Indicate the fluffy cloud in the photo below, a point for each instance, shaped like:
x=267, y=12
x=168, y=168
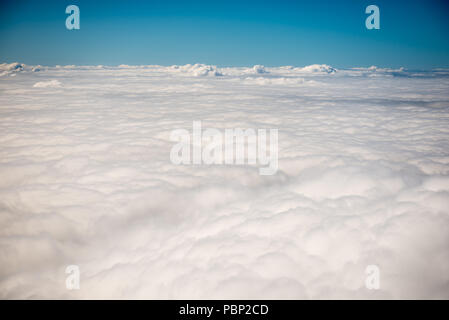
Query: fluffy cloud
x=363, y=180
x=10, y=68
x=15, y=66
x=259, y=69
x=47, y=84
x=198, y=69
x=317, y=68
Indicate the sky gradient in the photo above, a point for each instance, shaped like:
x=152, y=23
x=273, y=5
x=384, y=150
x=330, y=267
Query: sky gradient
x=413, y=34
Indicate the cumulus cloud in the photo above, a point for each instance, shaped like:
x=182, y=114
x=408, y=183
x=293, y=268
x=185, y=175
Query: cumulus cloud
x=363, y=179
x=259, y=69
x=198, y=69
x=15, y=66
x=48, y=84
x=10, y=68
x=317, y=68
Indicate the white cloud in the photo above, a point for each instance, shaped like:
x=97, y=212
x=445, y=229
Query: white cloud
x=281, y=81
x=259, y=69
x=198, y=69
x=87, y=180
x=10, y=68
x=15, y=66
x=47, y=84
x=317, y=68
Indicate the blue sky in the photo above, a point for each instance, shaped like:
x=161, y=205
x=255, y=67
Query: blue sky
x=413, y=34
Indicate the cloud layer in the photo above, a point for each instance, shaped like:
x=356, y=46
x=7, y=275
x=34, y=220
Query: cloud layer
x=363, y=180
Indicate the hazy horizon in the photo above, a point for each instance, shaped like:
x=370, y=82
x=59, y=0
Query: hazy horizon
x=413, y=34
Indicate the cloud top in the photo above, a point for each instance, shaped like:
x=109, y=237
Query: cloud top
x=86, y=180
x=48, y=84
